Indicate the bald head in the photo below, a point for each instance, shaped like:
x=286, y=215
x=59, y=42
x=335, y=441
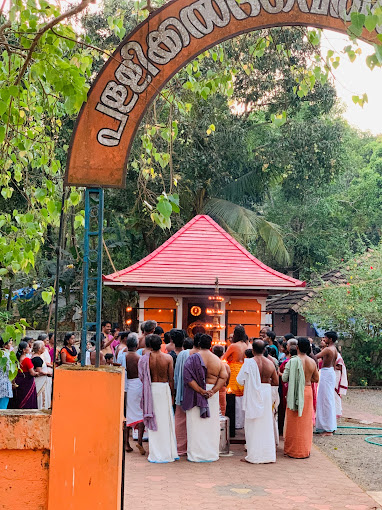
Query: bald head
x=258, y=346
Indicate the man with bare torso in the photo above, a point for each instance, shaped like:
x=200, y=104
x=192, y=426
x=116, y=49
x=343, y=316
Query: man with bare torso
x=300, y=372
x=204, y=374
x=326, y=421
x=257, y=375
x=133, y=392
x=162, y=442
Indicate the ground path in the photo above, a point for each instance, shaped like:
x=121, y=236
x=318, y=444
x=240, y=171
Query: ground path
x=309, y=484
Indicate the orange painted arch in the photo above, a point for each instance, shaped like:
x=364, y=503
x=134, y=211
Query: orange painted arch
x=156, y=50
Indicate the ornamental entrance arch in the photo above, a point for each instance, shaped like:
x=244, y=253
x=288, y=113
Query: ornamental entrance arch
x=156, y=50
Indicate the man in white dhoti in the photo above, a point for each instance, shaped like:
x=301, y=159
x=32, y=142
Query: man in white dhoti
x=257, y=375
x=156, y=371
x=326, y=421
x=341, y=383
x=203, y=374
x=133, y=392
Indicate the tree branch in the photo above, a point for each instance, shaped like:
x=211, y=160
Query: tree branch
x=48, y=26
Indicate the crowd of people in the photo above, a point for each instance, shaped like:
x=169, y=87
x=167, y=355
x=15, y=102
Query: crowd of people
x=176, y=387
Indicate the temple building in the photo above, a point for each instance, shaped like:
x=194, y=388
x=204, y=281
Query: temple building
x=202, y=279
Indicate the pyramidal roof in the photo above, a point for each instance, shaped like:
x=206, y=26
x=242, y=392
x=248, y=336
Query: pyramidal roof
x=195, y=256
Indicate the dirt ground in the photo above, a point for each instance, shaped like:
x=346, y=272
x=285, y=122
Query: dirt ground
x=361, y=461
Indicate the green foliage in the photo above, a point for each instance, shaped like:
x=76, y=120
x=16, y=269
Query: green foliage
x=353, y=309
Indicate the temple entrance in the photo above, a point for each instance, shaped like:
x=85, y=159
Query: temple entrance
x=195, y=315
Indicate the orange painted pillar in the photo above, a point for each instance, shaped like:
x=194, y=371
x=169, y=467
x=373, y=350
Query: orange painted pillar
x=86, y=438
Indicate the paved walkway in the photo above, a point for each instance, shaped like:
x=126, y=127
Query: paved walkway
x=349, y=412
x=308, y=484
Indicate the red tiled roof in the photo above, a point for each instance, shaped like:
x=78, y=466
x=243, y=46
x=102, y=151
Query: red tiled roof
x=195, y=256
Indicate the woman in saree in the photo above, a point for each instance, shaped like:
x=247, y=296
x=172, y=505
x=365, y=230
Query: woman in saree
x=44, y=381
x=68, y=354
x=24, y=393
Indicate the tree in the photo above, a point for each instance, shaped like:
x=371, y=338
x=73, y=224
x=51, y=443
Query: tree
x=353, y=309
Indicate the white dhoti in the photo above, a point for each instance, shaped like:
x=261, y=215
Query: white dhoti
x=326, y=405
x=259, y=432
x=203, y=434
x=239, y=413
x=275, y=412
x=162, y=442
x=133, y=391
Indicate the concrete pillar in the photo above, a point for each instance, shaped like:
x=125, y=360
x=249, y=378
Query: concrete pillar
x=179, y=312
x=86, y=438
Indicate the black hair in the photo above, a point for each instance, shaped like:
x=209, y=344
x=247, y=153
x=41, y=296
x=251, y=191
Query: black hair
x=332, y=335
x=42, y=337
x=167, y=337
x=248, y=353
x=124, y=334
x=67, y=338
x=218, y=350
x=188, y=343
x=288, y=336
x=149, y=326
x=103, y=323
x=271, y=335
x=258, y=346
x=177, y=336
x=50, y=335
x=197, y=339
x=158, y=331
x=304, y=345
x=205, y=342
x=155, y=342
x=147, y=340
x=22, y=345
x=239, y=334
x=271, y=349
x=108, y=356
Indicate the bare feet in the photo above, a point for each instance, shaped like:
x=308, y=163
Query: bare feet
x=142, y=451
x=243, y=460
x=128, y=448
x=327, y=433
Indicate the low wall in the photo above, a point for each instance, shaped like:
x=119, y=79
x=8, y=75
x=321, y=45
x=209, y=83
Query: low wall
x=24, y=459
x=70, y=459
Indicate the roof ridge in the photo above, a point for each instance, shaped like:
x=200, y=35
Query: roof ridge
x=248, y=254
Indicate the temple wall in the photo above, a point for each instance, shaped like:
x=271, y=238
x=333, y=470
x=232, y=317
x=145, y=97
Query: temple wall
x=24, y=459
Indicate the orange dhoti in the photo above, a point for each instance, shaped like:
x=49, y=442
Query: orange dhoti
x=234, y=386
x=299, y=430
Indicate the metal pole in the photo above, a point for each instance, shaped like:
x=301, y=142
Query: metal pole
x=99, y=275
x=92, y=269
x=85, y=276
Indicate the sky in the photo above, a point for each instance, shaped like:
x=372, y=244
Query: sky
x=355, y=78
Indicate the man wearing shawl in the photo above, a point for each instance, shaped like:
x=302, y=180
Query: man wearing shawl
x=341, y=383
x=203, y=375
x=156, y=372
x=299, y=373
x=257, y=375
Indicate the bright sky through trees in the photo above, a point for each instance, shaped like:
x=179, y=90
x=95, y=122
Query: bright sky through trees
x=355, y=78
